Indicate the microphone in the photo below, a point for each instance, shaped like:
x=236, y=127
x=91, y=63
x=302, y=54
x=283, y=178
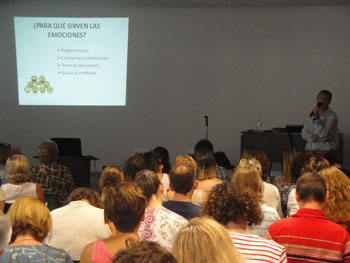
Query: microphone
x=206, y=120
x=318, y=105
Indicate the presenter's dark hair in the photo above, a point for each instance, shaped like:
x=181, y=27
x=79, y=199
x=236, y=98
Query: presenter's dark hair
x=182, y=177
x=311, y=187
x=327, y=93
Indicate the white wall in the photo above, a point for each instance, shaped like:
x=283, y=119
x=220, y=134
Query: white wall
x=233, y=64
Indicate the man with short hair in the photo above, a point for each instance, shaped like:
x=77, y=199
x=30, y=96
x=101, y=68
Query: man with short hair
x=308, y=235
x=183, y=182
x=5, y=232
x=320, y=129
x=221, y=172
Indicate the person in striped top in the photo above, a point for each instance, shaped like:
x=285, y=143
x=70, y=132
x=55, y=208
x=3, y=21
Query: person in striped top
x=236, y=208
x=308, y=235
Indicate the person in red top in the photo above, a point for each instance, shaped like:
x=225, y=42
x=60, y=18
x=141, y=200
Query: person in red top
x=308, y=235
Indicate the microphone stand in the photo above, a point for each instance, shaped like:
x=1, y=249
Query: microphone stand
x=207, y=127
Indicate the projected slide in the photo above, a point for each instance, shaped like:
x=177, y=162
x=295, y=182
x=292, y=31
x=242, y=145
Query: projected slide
x=71, y=61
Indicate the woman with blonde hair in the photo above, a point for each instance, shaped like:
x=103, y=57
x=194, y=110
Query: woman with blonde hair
x=31, y=222
x=337, y=208
x=247, y=176
x=18, y=175
x=198, y=196
x=206, y=172
x=285, y=179
x=206, y=241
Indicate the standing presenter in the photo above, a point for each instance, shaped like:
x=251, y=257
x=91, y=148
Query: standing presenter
x=320, y=129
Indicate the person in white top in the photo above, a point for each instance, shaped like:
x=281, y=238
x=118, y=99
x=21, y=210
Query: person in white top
x=78, y=223
x=236, y=208
x=160, y=224
x=18, y=174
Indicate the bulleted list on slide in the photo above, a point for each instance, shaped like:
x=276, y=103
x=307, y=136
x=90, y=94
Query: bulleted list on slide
x=79, y=62
x=71, y=61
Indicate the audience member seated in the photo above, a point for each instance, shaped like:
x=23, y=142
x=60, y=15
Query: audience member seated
x=4, y=154
x=206, y=173
x=221, y=172
x=160, y=224
x=143, y=252
x=2, y=200
x=111, y=176
x=206, y=241
x=305, y=161
x=17, y=172
x=132, y=166
x=222, y=160
x=160, y=163
x=337, y=209
x=55, y=179
x=309, y=236
x=236, y=208
x=183, y=182
x=334, y=159
x=198, y=196
x=124, y=205
x=5, y=232
x=78, y=223
x=271, y=194
x=246, y=176
x=284, y=181
x=31, y=222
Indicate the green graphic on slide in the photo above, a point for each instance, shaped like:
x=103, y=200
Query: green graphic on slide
x=36, y=85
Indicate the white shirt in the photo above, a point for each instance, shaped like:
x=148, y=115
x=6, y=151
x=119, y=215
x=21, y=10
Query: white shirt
x=76, y=225
x=272, y=197
x=13, y=191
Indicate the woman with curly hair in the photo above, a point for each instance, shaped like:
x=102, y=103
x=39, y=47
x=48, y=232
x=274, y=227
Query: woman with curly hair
x=337, y=209
x=247, y=176
x=206, y=241
x=31, y=222
x=236, y=208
